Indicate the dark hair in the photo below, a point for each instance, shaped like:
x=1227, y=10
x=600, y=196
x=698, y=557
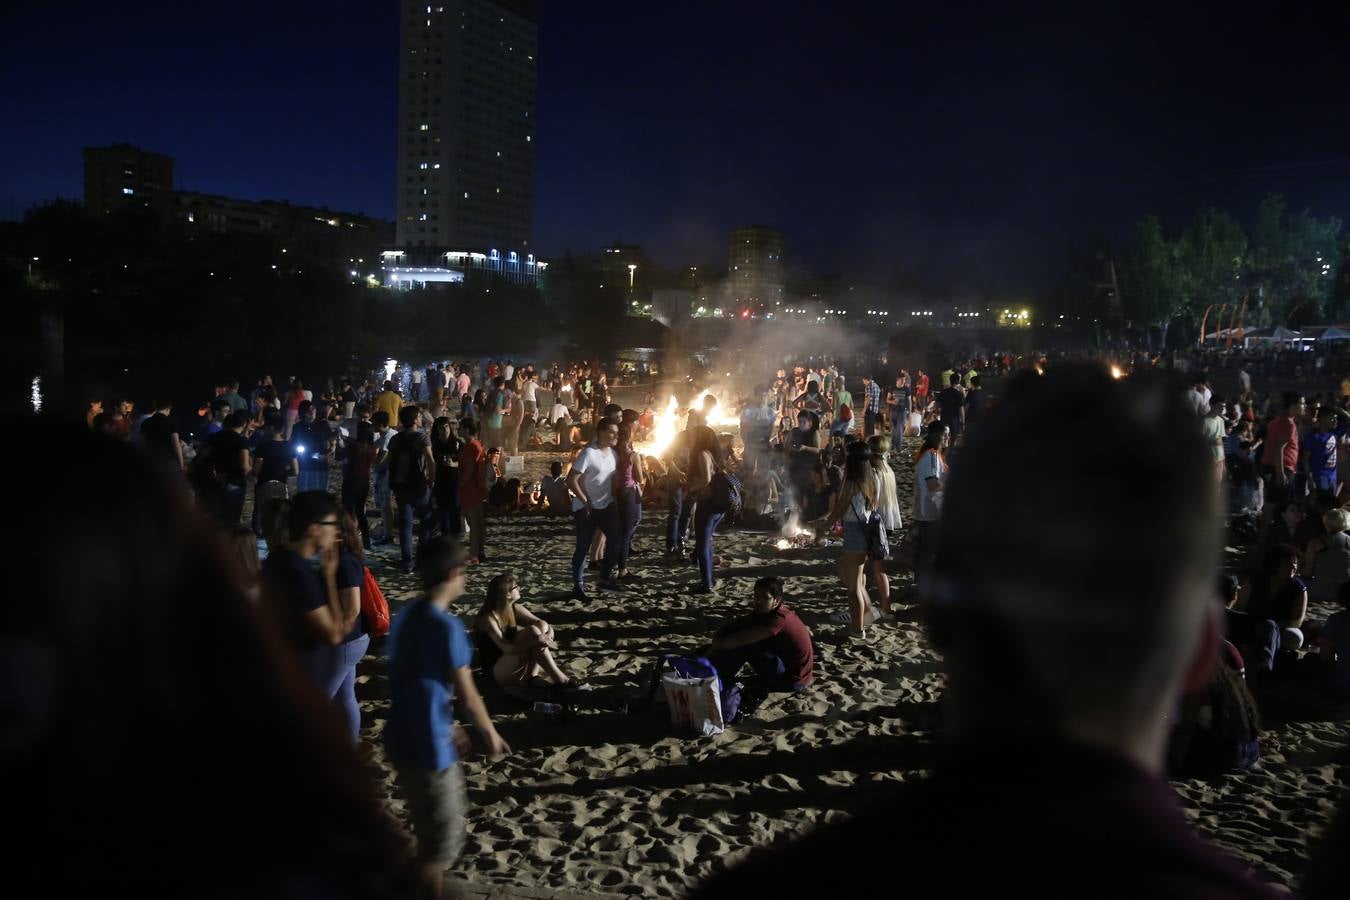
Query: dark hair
x=1277, y=555
x=237, y=419
x=974, y=381
x=351, y=535
x=555, y=468
x=701, y=438
x=305, y=406
x=365, y=434
x=407, y=416
x=379, y=418
x=1291, y=398
x=308, y=507
x=771, y=585
x=468, y=427
x=1228, y=587
x=139, y=612
x=438, y=558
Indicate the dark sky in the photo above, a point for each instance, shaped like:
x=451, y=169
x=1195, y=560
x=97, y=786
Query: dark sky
x=965, y=145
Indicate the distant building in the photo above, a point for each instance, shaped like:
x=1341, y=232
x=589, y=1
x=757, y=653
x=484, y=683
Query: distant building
x=755, y=269
x=466, y=129
x=122, y=176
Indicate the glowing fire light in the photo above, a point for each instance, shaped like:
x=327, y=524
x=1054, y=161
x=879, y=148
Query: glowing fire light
x=670, y=421
x=783, y=544
x=1117, y=372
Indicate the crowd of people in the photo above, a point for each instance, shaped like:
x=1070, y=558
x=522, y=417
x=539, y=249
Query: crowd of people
x=1136, y=688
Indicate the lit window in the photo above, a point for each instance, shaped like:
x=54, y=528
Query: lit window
x=422, y=166
x=436, y=166
x=424, y=127
x=527, y=138
x=424, y=192
x=466, y=195
x=422, y=217
x=128, y=191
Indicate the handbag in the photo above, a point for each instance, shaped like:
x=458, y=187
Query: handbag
x=877, y=545
x=374, y=608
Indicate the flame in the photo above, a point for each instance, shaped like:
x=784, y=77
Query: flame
x=1117, y=372
x=670, y=421
x=665, y=429
x=783, y=544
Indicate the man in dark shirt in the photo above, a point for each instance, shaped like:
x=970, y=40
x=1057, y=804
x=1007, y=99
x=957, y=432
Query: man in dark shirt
x=228, y=453
x=975, y=400
x=952, y=406
x=161, y=437
x=316, y=437
x=315, y=615
x=773, y=640
x=1061, y=679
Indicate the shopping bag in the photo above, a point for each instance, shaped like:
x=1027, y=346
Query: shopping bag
x=695, y=704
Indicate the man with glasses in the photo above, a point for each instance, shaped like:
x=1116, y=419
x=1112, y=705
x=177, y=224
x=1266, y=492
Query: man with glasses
x=593, y=506
x=314, y=616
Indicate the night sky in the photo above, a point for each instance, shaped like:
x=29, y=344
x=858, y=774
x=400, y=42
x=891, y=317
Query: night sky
x=964, y=146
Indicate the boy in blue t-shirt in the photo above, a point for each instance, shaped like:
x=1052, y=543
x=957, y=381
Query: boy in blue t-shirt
x=429, y=659
x=1320, y=447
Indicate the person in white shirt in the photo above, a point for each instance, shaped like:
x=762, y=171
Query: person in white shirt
x=930, y=475
x=530, y=392
x=1245, y=379
x=593, y=507
x=509, y=371
x=417, y=374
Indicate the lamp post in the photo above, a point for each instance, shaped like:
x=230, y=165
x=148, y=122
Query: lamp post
x=632, y=269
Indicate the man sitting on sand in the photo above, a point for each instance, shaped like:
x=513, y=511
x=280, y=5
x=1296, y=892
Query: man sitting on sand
x=1069, y=624
x=773, y=640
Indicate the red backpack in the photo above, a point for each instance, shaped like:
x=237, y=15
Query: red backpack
x=374, y=607
x=845, y=413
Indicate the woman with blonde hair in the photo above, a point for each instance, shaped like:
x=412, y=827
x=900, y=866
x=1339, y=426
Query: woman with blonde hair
x=1327, y=559
x=514, y=645
x=888, y=507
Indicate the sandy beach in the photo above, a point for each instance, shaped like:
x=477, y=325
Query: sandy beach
x=618, y=803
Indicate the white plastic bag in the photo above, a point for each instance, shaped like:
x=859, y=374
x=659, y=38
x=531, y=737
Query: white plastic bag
x=694, y=704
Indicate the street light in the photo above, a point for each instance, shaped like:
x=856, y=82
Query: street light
x=632, y=268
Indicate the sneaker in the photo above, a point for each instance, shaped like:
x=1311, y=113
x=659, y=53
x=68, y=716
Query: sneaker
x=613, y=584
x=579, y=593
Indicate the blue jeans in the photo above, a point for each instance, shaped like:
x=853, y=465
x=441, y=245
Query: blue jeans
x=408, y=504
x=341, y=685
x=766, y=665
x=232, y=503
x=588, y=521
x=705, y=524
x=312, y=480
x=630, y=514
x=1324, y=481
x=677, y=525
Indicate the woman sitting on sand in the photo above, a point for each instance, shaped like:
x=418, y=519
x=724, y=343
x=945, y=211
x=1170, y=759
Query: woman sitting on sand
x=1327, y=560
x=513, y=644
x=855, y=507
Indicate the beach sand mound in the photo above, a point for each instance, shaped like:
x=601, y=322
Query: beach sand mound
x=614, y=802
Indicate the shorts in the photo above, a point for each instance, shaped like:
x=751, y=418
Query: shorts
x=436, y=803
x=383, y=495
x=531, y=408
x=855, y=537
x=1324, y=481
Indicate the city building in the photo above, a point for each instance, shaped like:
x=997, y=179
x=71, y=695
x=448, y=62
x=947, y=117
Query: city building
x=122, y=176
x=466, y=123
x=755, y=269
